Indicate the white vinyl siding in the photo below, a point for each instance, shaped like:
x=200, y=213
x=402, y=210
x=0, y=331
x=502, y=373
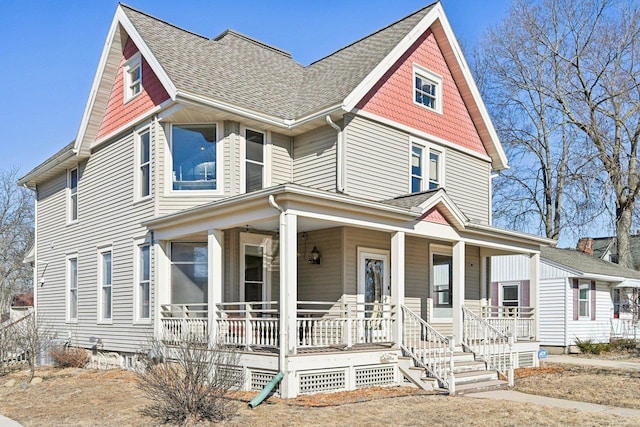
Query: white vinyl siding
x=552, y=311
x=597, y=330
x=314, y=159
x=107, y=216
x=377, y=160
x=281, y=159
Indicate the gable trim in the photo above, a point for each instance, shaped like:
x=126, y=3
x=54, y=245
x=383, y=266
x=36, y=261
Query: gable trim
x=119, y=20
x=452, y=214
x=433, y=17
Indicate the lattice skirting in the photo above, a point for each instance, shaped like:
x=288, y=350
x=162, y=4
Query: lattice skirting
x=375, y=376
x=259, y=379
x=322, y=381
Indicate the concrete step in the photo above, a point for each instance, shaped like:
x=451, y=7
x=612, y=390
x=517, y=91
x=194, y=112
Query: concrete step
x=475, y=376
x=468, y=365
x=481, y=386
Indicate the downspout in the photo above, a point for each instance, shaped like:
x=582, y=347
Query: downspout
x=340, y=156
x=284, y=336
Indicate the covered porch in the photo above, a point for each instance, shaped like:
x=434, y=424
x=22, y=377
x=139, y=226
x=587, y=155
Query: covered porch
x=312, y=283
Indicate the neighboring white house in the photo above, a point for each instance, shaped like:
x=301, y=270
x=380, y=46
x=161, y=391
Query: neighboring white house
x=581, y=297
x=325, y=219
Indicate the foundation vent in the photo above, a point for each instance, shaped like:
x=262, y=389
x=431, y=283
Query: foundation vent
x=378, y=375
x=322, y=381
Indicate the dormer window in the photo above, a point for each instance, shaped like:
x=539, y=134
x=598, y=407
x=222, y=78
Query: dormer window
x=132, y=77
x=427, y=89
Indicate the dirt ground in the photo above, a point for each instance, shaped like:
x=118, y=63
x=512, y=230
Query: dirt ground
x=77, y=397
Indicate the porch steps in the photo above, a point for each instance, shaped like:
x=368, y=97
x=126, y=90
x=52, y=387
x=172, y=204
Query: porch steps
x=470, y=375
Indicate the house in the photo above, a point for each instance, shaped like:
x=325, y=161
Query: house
x=330, y=221
x=606, y=248
x=580, y=298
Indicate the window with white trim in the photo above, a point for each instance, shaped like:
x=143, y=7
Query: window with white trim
x=72, y=192
x=427, y=89
x=426, y=174
x=254, y=160
x=105, y=286
x=584, y=301
x=132, y=71
x=144, y=163
x=195, y=157
x=72, y=288
x=143, y=282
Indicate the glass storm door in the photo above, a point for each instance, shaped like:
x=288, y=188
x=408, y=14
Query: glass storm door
x=373, y=290
x=442, y=286
x=254, y=278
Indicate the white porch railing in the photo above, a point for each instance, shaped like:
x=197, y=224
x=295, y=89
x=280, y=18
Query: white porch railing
x=256, y=324
x=488, y=343
x=248, y=324
x=518, y=322
x=184, y=322
x=428, y=348
x=326, y=324
x=625, y=329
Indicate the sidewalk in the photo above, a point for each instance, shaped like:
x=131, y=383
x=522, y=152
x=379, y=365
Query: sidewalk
x=585, y=361
x=516, y=396
x=7, y=422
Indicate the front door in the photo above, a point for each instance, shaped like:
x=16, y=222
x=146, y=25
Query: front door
x=373, y=291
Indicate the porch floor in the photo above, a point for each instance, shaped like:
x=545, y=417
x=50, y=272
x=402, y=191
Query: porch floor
x=317, y=350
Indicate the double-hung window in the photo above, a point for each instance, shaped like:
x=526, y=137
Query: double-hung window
x=143, y=282
x=426, y=172
x=105, y=291
x=254, y=160
x=584, y=301
x=72, y=191
x=195, y=157
x=72, y=288
x=144, y=164
x=132, y=77
x=427, y=89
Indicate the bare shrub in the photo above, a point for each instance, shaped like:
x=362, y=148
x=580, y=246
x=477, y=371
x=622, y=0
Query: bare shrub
x=30, y=337
x=69, y=357
x=189, y=382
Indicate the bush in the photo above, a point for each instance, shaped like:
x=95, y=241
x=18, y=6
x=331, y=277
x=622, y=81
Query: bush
x=590, y=347
x=624, y=344
x=190, y=382
x=69, y=357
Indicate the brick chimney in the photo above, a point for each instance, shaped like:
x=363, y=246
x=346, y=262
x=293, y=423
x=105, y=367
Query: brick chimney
x=585, y=244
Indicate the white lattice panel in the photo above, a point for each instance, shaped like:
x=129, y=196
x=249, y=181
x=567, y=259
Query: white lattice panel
x=378, y=375
x=322, y=381
x=259, y=379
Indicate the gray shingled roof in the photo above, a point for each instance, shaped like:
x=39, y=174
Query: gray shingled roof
x=586, y=264
x=247, y=73
x=410, y=200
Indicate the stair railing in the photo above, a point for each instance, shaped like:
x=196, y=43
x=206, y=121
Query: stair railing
x=428, y=348
x=488, y=344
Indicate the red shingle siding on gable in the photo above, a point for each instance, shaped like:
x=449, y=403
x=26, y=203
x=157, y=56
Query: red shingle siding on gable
x=118, y=113
x=392, y=97
x=434, y=215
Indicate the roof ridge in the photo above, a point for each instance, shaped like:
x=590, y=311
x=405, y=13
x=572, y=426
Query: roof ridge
x=374, y=33
x=251, y=40
x=126, y=6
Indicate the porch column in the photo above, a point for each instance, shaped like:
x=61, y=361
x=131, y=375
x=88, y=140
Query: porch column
x=397, y=281
x=534, y=294
x=215, y=241
x=288, y=299
x=483, y=278
x=458, y=289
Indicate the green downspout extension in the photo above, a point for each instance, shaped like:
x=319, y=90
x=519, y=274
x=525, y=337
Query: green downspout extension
x=266, y=390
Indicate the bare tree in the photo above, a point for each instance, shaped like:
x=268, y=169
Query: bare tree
x=16, y=237
x=549, y=186
x=584, y=60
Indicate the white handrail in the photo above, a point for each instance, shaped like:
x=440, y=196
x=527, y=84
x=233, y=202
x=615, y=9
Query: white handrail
x=488, y=344
x=428, y=348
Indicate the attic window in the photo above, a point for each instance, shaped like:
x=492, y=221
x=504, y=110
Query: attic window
x=427, y=89
x=132, y=77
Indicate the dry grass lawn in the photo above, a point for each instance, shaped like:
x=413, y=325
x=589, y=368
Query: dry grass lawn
x=76, y=397
x=605, y=386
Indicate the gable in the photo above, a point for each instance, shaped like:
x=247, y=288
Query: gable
x=392, y=97
x=434, y=215
x=118, y=113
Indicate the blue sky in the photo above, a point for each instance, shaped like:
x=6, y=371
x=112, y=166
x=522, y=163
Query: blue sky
x=49, y=50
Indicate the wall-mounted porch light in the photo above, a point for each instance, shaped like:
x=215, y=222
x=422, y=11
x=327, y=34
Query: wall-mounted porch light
x=315, y=256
